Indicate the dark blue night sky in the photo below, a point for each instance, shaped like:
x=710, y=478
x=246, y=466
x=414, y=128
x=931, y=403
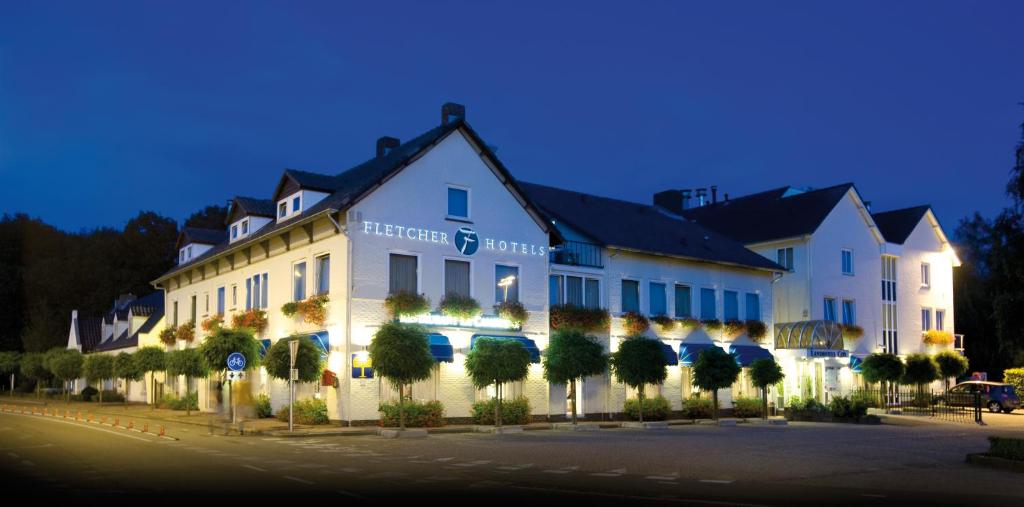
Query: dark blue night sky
x=109, y=108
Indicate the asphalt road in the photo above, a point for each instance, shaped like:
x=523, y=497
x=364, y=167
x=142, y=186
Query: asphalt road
x=802, y=464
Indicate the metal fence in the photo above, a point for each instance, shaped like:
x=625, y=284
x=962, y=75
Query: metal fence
x=941, y=405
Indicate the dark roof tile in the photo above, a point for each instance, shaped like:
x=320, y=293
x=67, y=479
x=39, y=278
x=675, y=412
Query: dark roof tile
x=896, y=225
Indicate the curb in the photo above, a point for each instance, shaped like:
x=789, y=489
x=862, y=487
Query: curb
x=87, y=419
x=983, y=459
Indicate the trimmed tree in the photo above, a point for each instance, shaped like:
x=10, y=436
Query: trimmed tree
x=638, y=362
x=216, y=348
x=97, y=368
x=496, y=362
x=66, y=366
x=921, y=370
x=571, y=356
x=764, y=373
x=951, y=364
x=715, y=369
x=151, y=360
x=127, y=369
x=189, y=363
x=32, y=367
x=401, y=354
x=882, y=369
x=9, y=365
x=307, y=360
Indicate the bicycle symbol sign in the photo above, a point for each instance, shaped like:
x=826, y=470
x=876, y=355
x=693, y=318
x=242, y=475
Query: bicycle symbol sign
x=236, y=361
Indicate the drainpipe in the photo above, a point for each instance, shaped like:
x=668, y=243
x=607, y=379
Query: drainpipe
x=348, y=314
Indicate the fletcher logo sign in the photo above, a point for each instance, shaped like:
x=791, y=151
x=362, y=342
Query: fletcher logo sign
x=465, y=239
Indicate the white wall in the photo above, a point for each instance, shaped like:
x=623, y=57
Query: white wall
x=923, y=245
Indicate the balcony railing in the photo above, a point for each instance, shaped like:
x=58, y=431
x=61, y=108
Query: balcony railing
x=577, y=253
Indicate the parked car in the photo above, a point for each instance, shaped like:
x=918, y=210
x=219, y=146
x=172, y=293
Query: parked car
x=997, y=396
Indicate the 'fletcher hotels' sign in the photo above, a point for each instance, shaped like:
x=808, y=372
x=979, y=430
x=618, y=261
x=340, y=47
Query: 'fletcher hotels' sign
x=465, y=240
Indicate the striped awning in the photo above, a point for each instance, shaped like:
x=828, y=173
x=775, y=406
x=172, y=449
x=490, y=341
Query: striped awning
x=441, y=348
x=671, y=358
x=689, y=352
x=747, y=354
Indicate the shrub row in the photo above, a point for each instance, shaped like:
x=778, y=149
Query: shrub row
x=418, y=414
x=307, y=411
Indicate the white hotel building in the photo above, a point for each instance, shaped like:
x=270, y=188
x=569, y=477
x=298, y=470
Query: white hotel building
x=440, y=213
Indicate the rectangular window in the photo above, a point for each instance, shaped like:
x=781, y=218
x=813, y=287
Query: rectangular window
x=659, y=306
x=926, y=319
x=506, y=283
x=458, y=202
x=456, y=278
x=192, y=317
x=630, y=296
x=574, y=291
x=784, y=257
x=299, y=282
x=753, y=302
x=847, y=261
x=175, y=320
x=296, y=204
x=282, y=209
x=830, y=310
x=849, y=312
x=708, y=304
x=220, y=301
x=731, y=305
x=323, y=274
x=256, y=292
x=402, y=274
x=234, y=297
x=940, y=320
x=555, y=296
x=206, y=303
x=684, y=302
x=592, y=295
x=926, y=274
x=181, y=256
x=234, y=231
x=245, y=226
x=248, y=294
x=265, y=299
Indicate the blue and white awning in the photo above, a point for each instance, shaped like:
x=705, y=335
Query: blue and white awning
x=856, y=363
x=747, y=354
x=671, y=359
x=527, y=343
x=689, y=352
x=441, y=348
x=323, y=341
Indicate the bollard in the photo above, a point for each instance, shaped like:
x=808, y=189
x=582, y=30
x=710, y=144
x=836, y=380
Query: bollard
x=162, y=431
x=117, y=421
x=88, y=418
x=78, y=415
x=103, y=420
x=145, y=427
x=131, y=425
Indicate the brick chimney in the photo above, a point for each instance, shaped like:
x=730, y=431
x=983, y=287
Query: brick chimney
x=385, y=144
x=451, y=111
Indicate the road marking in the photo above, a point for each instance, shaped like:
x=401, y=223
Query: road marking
x=605, y=474
x=349, y=470
x=87, y=427
x=349, y=493
x=28, y=463
x=660, y=478
x=869, y=495
x=557, y=471
x=444, y=459
x=26, y=447
x=13, y=455
x=716, y=481
x=296, y=479
x=250, y=467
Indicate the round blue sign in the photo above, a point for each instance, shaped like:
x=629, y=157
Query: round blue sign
x=466, y=241
x=236, y=361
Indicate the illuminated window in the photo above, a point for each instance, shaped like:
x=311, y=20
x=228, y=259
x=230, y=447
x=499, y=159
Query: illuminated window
x=299, y=281
x=506, y=283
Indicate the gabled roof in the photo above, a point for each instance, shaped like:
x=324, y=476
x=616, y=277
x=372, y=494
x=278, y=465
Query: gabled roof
x=896, y=225
x=250, y=206
x=151, y=322
x=779, y=213
x=90, y=332
x=121, y=342
x=642, y=228
x=148, y=304
x=351, y=186
x=190, y=235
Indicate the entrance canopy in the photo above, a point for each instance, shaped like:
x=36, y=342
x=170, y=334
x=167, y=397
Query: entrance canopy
x=809, y=334
x=441, y=348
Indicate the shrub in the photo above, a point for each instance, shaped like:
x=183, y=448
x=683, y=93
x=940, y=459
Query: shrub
x=514, y=411
x=808, y=405
x=211, y=324
x=250, y=319
x=852, y=331
x=1015, y=376
x=88, y=393
x=689, y=324
x=697, y=408
x=937, y=337
x=512, y=311
x=951, y=364
x=655, y=409
x=921, y=369
x=186, y=332
x=712, y=324
x=841, y=406
x=418, y=414
x=588, y=320
x=635, y=323
x=867, y=398
x=664, y=322
x=746, y=407
x=1007, y=448
x=401, y=354
x=112, y=396
x=756, y=330
x=734, y=327
x=168, y=335
x=458, y=306
x=307, y=411
x=263, y=408
x=189, y=402
x=307, y=359
x=406, y=304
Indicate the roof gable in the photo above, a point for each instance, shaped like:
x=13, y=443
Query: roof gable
x=242, y=207
x=896, y=225
x=195, y=235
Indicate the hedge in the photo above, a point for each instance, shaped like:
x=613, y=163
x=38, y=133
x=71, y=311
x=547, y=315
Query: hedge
x=1007, y=448
x=697, y=408
x=1015, y=376
x=514, y=411
x=307, y=411
x=746, y=407
x=656, y=408
x=418, y=414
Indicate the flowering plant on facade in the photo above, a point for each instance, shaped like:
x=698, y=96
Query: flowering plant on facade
x=756, y=330
x=211, y=324
x=852, y=331
x=689, y=324
x=253, y=319
x=406, y=304
x=168, y=335
x=734, y=328
x=512, y=311
x=664, y=322
x=312, y=310
x=634, y=323
x=458, y=306
x=938, y=337
x=186, y=332
x=711, y=324
x=588, y=320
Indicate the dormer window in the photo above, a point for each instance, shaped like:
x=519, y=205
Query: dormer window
x=181, y=256
x=245, y=226
x=234, y=232
x=282, y=209
x=295, y=204
x=292, y=205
